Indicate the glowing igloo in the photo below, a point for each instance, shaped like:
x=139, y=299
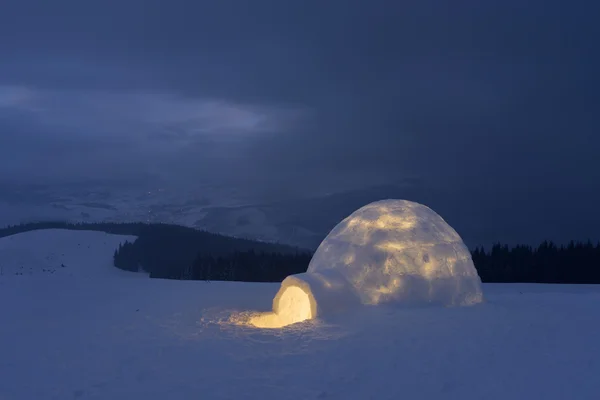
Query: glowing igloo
x=390, y=251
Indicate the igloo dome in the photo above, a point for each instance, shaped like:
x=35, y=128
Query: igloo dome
x=398, y=250
x=389, y=251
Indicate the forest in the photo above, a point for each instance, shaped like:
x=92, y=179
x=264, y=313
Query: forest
x=576, y=262
x=177, y=252
x=546, y=263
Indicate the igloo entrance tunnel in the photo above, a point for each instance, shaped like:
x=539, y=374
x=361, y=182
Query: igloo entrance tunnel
x=389, y=251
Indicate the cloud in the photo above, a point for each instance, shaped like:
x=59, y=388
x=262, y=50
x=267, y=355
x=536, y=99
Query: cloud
x=16, y=97
x=53, y=134
x=316, y=91
x=127, y=113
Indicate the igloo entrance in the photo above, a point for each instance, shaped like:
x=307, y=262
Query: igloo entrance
x=293, y=305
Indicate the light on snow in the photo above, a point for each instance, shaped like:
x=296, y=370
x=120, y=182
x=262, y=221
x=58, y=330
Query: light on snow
x=293, y=305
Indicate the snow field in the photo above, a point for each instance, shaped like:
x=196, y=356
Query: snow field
x=96, y=334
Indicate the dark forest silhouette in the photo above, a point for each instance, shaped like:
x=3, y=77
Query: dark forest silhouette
x=547, y=263
x=177, y=252
x=246, y=265
x=576, y=262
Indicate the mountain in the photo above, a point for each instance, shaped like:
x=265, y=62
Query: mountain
x=482, y=214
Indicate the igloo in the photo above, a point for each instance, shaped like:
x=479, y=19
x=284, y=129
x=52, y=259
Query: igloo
x=390, y=251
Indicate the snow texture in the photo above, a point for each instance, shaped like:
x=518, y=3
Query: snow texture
x=61, y=252
x=402, y=252
x=94, y=334
x=328, y=292
x=306, y=296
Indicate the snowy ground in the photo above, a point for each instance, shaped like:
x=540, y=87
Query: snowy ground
x=58, y=252
x=100, y=333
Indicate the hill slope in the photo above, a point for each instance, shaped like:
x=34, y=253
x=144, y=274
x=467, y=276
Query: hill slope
x=60, y=252
x=168, y=251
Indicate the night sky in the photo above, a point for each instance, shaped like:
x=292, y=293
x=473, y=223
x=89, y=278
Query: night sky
x=460, y=95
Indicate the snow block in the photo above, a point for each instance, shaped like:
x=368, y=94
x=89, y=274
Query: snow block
x=327, y=292
x=398, y=251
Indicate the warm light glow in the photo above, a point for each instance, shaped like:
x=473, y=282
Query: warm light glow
x=349, y=258
x=383, y=221
x=396, y=250
x=293, y=307
x=390, y=251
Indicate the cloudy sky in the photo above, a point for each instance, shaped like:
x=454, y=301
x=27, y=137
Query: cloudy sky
x=302, y=92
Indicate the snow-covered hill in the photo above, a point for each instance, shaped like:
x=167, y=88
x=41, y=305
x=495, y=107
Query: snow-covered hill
x=110, y=337
x=60, y=252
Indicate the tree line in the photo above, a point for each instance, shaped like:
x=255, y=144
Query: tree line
x=547, y=263
x=248, y=266
x=576, y=262
x=178, y=252
x=245, y=265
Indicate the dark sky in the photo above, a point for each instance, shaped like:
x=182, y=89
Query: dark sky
x=302, y=93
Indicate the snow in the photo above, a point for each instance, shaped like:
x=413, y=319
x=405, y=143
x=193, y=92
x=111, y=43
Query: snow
x=60, y=252
x=99, y=335
x=403, y=252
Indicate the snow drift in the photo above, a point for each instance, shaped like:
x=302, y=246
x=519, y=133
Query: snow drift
x=390, y=251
